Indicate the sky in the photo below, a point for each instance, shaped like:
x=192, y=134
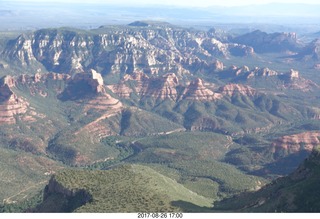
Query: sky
x=24, y=14
x=193, y=3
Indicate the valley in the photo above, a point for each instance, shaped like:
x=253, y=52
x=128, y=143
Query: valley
x=179, y=118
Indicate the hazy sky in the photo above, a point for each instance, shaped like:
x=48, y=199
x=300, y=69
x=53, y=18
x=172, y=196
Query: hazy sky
x=14, y=15
x=197, y=3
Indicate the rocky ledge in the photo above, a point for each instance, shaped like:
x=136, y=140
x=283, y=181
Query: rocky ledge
x=10, y=103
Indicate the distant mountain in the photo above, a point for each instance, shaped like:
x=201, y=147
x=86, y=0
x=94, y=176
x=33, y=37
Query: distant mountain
x=268, y=79
x=153, y=49
x=294, y=193
x=276, y=42
x=311, y=52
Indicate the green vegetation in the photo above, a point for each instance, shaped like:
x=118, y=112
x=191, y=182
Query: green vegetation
x=193, y=157
x=26, y=205
x=203, y=145
x=72, y=149
x=121, y=145
x=129, y=188
x=73, y=141
x=297, y=192
x=22, y=174
x=135, y=122
x=230, y=179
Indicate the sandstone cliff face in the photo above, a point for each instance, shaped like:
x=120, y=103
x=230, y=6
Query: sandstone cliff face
x=152, y=50
x=196, y=90
x=83, y=85
x=293, y=81
x=123, y=89
x=280, y=80
x=248, y=73
x=159, y=88
x=107, y=107
x=88, y=89
x=234, y=89
x=262, y=72
x=26, y=125
x=164, y=87
x=295, y=143
x=93, y=79
x=14, y=106
x=40, y=84
x=10, y=104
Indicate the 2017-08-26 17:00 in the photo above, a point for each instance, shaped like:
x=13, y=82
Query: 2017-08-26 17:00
x=160, y=215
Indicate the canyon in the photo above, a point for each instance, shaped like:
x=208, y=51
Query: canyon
x=201, y=107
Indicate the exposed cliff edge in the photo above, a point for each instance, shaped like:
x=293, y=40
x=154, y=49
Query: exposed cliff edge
x=126, y=49
x=167, y=86
x=58, y=198
x=197, y=91
x=10, y=104
x=83, y=85
x=265, y=77
x=291, y=144
x=237, y=89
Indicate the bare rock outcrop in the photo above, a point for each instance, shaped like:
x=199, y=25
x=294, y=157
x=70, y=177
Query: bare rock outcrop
x=271, y=78
x=124, y=90
x=293, y=81
x=218, y=65
x=83, y=85
x=196, y=90
x=290, y=144
x=123, y=50
x=167, y=86
x=262, y=72
x=10, y=104
x=234, y=89
x=163, y=88
x=159, y=87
